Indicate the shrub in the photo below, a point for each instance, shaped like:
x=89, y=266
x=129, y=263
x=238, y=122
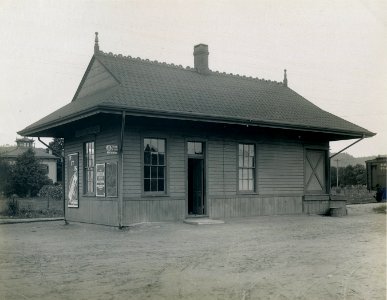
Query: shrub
x=13, y=207
x=382, y=209
x=53, y=192
x=26, y=176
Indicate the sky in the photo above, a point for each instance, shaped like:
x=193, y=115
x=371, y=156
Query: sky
x=335, y=52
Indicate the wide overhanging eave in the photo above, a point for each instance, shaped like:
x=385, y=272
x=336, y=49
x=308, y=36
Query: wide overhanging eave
x=38, y=130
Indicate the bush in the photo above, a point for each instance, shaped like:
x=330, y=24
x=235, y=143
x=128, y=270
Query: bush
x=380, y=209
x=13, y=207
x=53, y=192
x=27, y=176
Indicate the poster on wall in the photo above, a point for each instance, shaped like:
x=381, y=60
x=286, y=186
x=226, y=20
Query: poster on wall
x=100, y=180
x=72, y=180
x=111, y=179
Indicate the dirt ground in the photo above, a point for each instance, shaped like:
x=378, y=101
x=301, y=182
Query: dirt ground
x=276, y=257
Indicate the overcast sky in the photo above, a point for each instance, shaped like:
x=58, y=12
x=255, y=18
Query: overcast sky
x=335, y=51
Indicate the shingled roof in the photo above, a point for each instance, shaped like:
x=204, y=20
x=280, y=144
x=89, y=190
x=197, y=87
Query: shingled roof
x=151, y=88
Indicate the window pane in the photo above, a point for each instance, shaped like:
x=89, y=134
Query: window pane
x=153, y=145
x=245, y=174
x=245, y=161
x=161, y=159
x=90, y=181
x=147, y=172
x=154, y=185
x=250, y=162
x=154, y=158
x=160, y=172
x=191, y=147
x=161, y=146
x=240, y=161
x=147, y=158
x=146, y=185
x=251, y=185
x=245, y=150
x=245, y=185
x=160, y=185
x=146, y=144
x=247, y=167
x=198, y=148
x=154, y=165
x=251, y=150
x=250, y=173
x=153, y=172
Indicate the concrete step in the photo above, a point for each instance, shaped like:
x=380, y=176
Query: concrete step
x=202, y=221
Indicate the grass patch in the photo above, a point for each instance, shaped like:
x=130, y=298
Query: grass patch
x=380, y=209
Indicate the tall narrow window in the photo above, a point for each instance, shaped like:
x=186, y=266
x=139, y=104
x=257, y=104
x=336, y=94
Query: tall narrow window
x=89, y=165
x=247, y=167
x=154, y=165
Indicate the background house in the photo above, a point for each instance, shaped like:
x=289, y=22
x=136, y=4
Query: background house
x=150, y=141
x=44, y=156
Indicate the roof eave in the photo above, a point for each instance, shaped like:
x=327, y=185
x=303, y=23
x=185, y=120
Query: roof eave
x=188, y=116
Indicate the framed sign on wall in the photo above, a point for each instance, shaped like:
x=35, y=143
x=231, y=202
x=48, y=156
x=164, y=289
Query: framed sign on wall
x=100, y=180
x=111, y=179
x=72, y=180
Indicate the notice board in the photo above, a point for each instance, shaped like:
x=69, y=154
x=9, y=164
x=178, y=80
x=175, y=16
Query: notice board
x=72, y=180
x=111, y=179
x=100, y=180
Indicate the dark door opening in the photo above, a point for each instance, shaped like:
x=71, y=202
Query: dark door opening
x=195, y=187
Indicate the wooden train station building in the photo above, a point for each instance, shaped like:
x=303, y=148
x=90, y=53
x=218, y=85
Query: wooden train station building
x=148, y=141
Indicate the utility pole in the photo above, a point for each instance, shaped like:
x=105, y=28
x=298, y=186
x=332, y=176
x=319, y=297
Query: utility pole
x=337, y=173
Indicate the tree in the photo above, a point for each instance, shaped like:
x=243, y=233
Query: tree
x=360, y=174
x=349, y=175
x=26, y=176
x=4, y=174
x=57, y=145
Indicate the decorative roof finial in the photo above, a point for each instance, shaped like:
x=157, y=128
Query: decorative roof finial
x=285, y=82
x=96, y=46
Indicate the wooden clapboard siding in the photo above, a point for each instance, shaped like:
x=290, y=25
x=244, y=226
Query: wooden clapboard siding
x=280, y=168
x=176, y=167
x=230, y=168
x=153, y=210
x=96, y=210
x=132, y=163
x=139, y=207
x=97, y=80
x=245, y=206
x=279, y=176
x=215, y=163
x=317, y=204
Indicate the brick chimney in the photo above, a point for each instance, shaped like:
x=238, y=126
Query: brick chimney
x=201, y=58
x=96, y=45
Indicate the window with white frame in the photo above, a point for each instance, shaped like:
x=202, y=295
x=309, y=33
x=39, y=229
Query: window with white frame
x=246, y=155
x=154, y=165
x=89, y=167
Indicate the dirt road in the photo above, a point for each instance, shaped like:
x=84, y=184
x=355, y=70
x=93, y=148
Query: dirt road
x=277, y=257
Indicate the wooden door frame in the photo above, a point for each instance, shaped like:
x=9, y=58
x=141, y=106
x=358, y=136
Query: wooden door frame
x=325, y=154
x=196, y=156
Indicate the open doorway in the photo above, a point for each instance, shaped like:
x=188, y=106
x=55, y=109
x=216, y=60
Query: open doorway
x=195, y=187
x=196, y=198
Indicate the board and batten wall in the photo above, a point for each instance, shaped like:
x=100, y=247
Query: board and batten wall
x=279, y=177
